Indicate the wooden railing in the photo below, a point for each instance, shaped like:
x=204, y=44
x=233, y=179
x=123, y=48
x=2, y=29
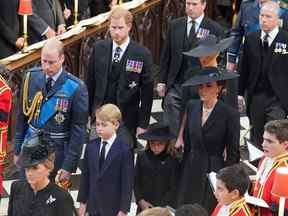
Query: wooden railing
x=149, y=29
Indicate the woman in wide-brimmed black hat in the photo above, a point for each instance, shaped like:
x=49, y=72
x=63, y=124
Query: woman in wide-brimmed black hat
x=208, y=51
x=210, y=136
x=37, y=195
x=156, y=169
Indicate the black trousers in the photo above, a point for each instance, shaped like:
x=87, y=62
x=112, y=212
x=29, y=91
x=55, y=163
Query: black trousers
x=262, y=109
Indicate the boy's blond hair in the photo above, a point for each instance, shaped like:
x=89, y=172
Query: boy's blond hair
x=156, y=211
x=109, y=112
x=118, y=12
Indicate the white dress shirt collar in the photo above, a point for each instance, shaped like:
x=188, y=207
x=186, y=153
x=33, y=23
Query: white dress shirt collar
x=272, y=35
x=123, y=47
x=55, y=76
x=197, y=21
x=109, y=144
x=264, y=169
x=224, y=210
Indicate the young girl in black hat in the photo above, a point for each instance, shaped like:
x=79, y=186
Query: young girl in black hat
x=156, y=170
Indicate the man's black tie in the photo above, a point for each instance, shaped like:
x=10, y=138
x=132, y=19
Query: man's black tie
x=265, y=42
x=102, y=154
x=49, y=84
x=192, y=30
x=116, y=56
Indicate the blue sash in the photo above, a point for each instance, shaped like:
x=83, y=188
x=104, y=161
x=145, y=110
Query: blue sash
x=48, y=107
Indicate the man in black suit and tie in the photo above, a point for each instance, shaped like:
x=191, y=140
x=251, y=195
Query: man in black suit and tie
x=10, y=39
x=46, y=21
x=175, y=68
x=120, y=72
x=263, y=74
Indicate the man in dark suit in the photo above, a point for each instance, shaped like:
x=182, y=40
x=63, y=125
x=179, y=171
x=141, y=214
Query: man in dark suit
x=46, y=21
x=263, y=77
x=107, y=175
x=10, y=39
x=183, y=35
x=120, y=72
x=55, y=102
x=248, y=21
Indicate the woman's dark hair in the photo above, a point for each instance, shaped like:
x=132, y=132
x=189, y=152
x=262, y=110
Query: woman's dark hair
x=223, y=84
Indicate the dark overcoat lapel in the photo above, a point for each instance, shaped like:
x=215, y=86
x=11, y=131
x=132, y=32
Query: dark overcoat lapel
x=214, y=116
x=273, y=54
x=123, y=75
x=96, y=152
x=180, y=33
x=195, y=124
x=113, y=152
x=105, y=62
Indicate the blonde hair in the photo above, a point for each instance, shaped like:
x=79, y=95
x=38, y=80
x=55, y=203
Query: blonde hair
x=156, y=211
x=55, y=45
x=118, y=12
x=49, y=162
x=109, y=112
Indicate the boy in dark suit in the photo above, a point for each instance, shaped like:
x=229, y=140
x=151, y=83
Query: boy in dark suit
x=107, y=175
x=120, y=72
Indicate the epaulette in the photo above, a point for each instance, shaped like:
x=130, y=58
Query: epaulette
x=76, y=79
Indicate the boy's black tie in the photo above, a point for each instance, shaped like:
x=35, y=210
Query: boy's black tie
x=102, y=154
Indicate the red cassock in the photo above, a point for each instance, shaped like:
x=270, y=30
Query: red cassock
x=264, y=191
x=5, y=108
x=238, y=208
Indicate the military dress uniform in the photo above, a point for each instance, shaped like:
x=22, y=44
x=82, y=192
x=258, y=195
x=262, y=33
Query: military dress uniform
x=62, y=114
x=237, y=208
x=5, y=108
x=264, y=182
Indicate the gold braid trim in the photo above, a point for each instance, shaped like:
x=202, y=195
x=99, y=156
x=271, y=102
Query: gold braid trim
x=2, y=148
x=3, y=89
x=34, y=109
x=237, y=206
x=278, y=161
x=3, y=80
